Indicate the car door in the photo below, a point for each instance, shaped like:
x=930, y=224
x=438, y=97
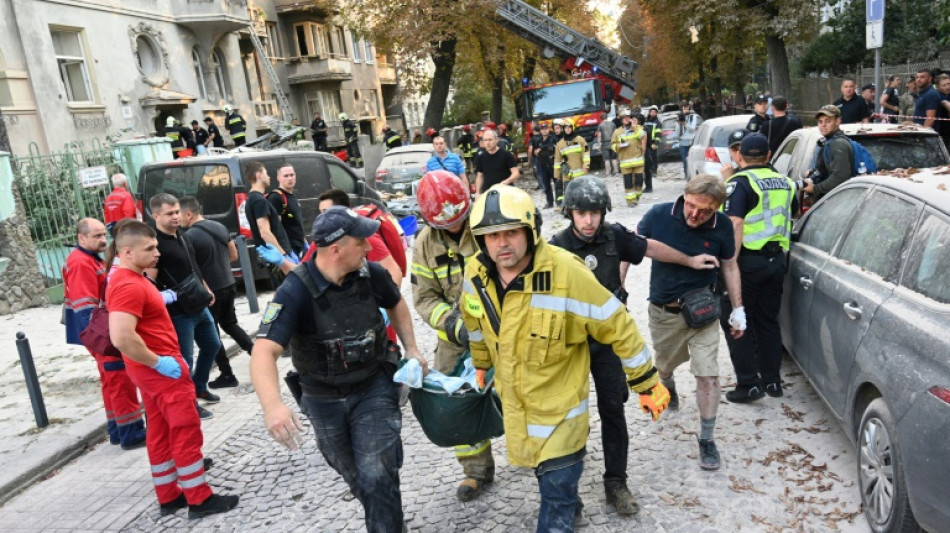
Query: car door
x=813, y=239
x=859, y=276
x=697, y=152
x=782, y=159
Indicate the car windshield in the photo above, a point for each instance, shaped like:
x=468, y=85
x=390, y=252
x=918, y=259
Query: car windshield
x=904, y=151
x=562, y=100
x=211, y=184
x=720, y=136
x=407, y=159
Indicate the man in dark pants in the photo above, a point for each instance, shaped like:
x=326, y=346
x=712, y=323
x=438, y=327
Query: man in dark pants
x=283, y=200
x=351, y=134
x=328, y=311
x=605, y=248
x=318, y=128
x=760, y=203
x=214, y=253
x=214, y=134
x=236, y=126
x=544, y=147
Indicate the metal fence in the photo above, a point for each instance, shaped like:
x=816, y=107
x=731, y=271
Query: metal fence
x=55, y=198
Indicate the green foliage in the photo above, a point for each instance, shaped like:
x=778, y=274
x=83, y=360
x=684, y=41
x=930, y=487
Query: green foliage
x=470, y=98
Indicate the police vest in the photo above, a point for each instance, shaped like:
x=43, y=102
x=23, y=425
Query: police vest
x=600, y=256
x=348, y=341
x=771, y=219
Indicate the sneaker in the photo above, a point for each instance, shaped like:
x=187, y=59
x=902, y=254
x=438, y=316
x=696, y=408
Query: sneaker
x=674, y=401
x=135, y=445
x=708, y=455
x=774, y=390
x=223, y=381
x=647, y=191
x=169, y=508
x=208, y=396
x=217, y=503
x=623, y=501
x=203, y=413
x=745, y=394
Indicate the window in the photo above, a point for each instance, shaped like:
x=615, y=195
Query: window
x=784, y=158
x=926, y=268
x=828, y=221
x=340, y=178
x=357, y=48
x=71, y=59
x=877, y=236
x=273, y=41
x=368, y=51
x=374, y=103
x=199, y=73
x=325, y=102
x=338, y=42
x=312, y=40
x=219, y=67
x=210, y=184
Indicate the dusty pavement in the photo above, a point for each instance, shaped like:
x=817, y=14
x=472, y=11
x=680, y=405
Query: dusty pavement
x=787, y=466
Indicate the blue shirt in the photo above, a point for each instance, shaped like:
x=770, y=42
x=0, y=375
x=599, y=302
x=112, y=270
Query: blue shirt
x=927, y=100
x=665, y=223
x=452, y=163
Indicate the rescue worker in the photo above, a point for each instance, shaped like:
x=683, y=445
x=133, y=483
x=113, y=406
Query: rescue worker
x=318, y=131
x=557, y=127
x=607, y=250
x=759, y=119
x=119, y=204
x=504, y=142
x=760, y=203
x=630, y=143
x=351, y=135
x=571, y=159
x=467, y=147
x=327, y=311
x=654, y=131
x=438, y=262
x=391, y=139
x=179, y=135
x=235, y=125
x=214, y=134
x=530, y=308
x=84, y=290
x=140, y=327
x=544, y=156
x=431, y=134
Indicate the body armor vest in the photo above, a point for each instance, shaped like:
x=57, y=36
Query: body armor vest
x=600, y=255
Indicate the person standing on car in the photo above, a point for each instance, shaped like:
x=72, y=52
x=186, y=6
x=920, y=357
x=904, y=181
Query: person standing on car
x=693, y=225
x=544, y=157
x=605, y=134
x=530, y=308
x=214, y=253
x=283, y=200
x=235, y=125
x=781, y=125
x=853, y=108
x=571, y=159
x=654, y=131
x=201, y=137
x=214, y=134
x=760, y=203
x=391, y=139
x=443, y=159
x=318, y=130
x=760, y=118
x=606, y=249
x=351, y=135
x=262, y=217
x=494, y=165
x=835, y=155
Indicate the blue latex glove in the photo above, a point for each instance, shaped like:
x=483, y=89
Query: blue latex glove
x=168, y=366
x=271, y=254
x=169, y=296
x=292, y=257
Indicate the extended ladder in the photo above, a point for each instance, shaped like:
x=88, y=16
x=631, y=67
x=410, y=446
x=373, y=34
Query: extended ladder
x=286, y=111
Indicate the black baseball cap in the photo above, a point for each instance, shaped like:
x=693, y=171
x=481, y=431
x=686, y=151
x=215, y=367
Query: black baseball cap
x=761, y=98
x=736, y=137
x=754, y=145
x=868, y=86
x=209, y=119
x=339, y=221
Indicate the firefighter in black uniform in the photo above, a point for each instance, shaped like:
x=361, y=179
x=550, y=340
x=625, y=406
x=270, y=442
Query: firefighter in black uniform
x=351, y=134
x=180, y=136
x=654, y=131
x=236, y=125
x=466, y=144
x=390, y=138
x=318, y=129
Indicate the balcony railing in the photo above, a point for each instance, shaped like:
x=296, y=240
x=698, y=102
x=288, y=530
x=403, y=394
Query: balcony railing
x=216, y=16
x=307, y=69
x=386, y=73
x=265, y=108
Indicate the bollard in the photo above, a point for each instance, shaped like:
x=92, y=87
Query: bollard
x=32, y=381
x=248, y=272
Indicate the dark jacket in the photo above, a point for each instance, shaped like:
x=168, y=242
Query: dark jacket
x=835, y=161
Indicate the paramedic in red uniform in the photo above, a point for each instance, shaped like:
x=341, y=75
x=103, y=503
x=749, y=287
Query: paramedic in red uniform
x=119, y=204
x=141, y=328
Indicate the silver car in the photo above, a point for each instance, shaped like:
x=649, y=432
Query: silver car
x=865, y=315
x=710, y=148
x=402, y=167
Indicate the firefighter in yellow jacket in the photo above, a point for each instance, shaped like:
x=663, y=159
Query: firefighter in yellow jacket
x=438, y=264
x=630, y=143
x=571, y=159
x=529, y=308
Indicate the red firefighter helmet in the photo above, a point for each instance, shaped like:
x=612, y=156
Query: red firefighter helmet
x=430, y=132
x=443, y=200
x=502, y=129
x=466, y=128
x=489, y=125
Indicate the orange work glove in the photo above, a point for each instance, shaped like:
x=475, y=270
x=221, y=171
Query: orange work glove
x=480, y=378
x=655, y=400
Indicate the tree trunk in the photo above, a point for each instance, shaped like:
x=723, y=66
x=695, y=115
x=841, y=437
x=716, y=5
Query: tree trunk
x=444, y=59
x=497, y=93
x=778, y=65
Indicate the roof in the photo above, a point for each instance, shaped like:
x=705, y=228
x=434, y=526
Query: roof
x=872, y=129
x=422, y=147
x=731, y=120
x=930, y=185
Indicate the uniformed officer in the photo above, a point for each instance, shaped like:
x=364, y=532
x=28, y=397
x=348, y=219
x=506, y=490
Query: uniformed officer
x=236, y=125
x=180, y=136
x=467, y=146
x=327, y=310
x=630, y=143
x=654, y=132
x=760, y=202
x=760, y=117
x=391, y=139
x=608, y=249
x=571, y=159
x=351, y=134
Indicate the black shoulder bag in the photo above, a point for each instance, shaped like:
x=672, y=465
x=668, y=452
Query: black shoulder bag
x=700, y=307
x=191, y=291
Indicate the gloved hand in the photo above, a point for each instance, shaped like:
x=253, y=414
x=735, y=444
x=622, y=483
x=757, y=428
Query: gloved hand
x=168, y=366
x=737, y=318
x=169, y=296
x=655, y=400
x=455, y=328
x=292, y=257
x=271, y=254
x=480, y=378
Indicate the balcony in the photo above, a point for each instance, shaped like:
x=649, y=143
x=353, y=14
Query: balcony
x=386, y=73
x=309, y=69
x=265, y=108
x=215, y=17
x=316, y=7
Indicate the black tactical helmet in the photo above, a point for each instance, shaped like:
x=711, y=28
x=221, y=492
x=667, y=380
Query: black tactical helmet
x=585, y=193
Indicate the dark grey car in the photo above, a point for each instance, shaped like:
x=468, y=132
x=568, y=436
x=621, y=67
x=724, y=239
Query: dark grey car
x=866, y=315
x=402, y=167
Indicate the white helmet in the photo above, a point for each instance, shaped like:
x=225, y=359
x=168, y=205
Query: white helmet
x=228, y=108
x=170, y=121
x=342, y=116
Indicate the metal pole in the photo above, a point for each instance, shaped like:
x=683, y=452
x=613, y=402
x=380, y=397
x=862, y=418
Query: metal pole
x=248, y=272
x=877, y=78
x=32, y=381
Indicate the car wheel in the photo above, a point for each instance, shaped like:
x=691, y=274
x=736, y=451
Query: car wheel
x=881, y=472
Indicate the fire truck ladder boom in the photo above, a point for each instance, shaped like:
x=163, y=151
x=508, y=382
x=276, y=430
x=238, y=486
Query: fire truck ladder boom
x=286, y=111
x=558, y=39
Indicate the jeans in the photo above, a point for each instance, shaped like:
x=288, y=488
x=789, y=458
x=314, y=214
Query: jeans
x=536, y=166
x=684, y=152
x=198, y=328
x=222, y=310
x=557, y=482
x=547, y=183
x=359, y=436
x=612, y=392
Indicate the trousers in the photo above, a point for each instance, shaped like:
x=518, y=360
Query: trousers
x=121, y=400
x=222, y=311
x=610, y=385
x=557, y=483
x=198, y=328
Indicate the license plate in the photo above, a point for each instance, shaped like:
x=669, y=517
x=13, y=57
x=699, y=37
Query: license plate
x=400, y=186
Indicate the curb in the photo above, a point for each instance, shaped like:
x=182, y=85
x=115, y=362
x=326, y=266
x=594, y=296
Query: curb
x=84, y=434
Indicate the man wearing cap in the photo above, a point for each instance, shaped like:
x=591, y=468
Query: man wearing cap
x=759, y=119
x=760, y=203
x=327, y=310
x=853, y=109
x=868, y=92
x=834, y=164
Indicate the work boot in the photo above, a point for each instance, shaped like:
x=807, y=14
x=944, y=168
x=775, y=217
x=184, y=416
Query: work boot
x=674, y=404
x=217, y=503
x=469, y=489
x=623, y=501
x=745, y=394
x=774, y=389
x=708, y=455
x=169, y=508
x=223, y=381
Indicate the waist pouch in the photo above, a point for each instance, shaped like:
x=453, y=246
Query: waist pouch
x=699, y=307
x=96, y=335
x=192, y=295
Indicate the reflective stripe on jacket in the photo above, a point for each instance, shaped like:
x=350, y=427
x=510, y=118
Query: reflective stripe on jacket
x=631, y=155
x=575, y=153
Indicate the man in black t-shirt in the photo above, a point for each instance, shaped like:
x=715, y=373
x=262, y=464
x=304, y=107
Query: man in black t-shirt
x=494, y=165
x=318, y=128
x=284, y=202
x=781, y=125
x=853, y=108
x=201, y=137
x=214, y=133
x=263, y=219
x=214, y=253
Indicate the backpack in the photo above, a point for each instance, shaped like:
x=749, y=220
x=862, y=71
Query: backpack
x=860, y=157
x=283, y=200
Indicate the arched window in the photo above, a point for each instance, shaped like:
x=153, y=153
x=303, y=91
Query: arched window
x=199, y=72
x=219, y=66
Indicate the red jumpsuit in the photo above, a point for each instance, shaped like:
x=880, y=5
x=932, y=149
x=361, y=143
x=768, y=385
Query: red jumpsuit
x=174, y=429
x=119, y=205
x=84, y=280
